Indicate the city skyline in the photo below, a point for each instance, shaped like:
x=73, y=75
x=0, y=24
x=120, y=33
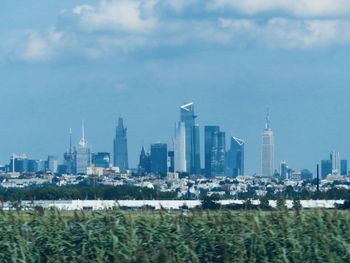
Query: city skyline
x=55, y=69
x=222, y=159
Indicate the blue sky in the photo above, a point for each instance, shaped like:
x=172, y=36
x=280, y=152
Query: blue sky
x=64, y=61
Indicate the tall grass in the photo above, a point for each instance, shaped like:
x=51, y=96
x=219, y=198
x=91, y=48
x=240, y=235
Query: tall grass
x=112, y=236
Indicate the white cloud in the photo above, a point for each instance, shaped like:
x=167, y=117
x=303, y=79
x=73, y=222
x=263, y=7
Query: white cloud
x=290, y=33
x=124, y=15
x=307, y=8
x=41, y=47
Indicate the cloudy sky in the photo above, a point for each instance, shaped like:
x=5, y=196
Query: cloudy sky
x=64, y=61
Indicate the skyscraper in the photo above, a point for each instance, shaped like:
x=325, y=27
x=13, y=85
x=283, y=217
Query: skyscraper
x=144, y=162
x=235, y=158
x=208, y=145
x=69, y=156
x=82, y=155
x=215, y=151
x=180, y=148
x=268, y=147
x=159, y=158
x=52, y=164
x=101, y=159
x=326, y=168
x=121, y=146
x=344, y=167
x=192, y=146
x=335, y=157
x=283, y=170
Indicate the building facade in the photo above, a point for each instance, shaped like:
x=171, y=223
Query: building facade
x=82, y=155
x=268, y=151
x=235, y=158
x=120, y=147
x=215, y=151
x=180, y=148
x=159, y=159
x=192, y=145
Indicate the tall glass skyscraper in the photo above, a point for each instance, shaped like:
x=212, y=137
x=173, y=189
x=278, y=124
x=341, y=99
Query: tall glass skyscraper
x=268, y=147
x=235, y=158
x=192, y=146
x=121, y=147
x=159, y=158
x=82, y=155
x=180, y=148
x=69, y=156
x=215, y=151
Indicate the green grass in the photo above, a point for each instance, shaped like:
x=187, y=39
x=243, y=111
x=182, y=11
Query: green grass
x=223, y=236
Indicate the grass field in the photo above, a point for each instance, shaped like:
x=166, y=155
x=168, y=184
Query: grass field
x=223, y=236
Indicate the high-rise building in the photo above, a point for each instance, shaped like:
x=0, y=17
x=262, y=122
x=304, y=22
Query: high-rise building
x=344, y=167
x=215, y=151
x=19, y=163
x=68, y=157
x=82, y=155
x=52, y=164
x=283, y=170
x=209, y=132
x=268, y=147
x=326, y=168
x=144, y=162
x=171, y=161
x=335, y=158
x=121, y=147
x=180, y=148
x=235, y=158
x=101, y=159
x=192, y=146
x=159, y=158
x=332, y=166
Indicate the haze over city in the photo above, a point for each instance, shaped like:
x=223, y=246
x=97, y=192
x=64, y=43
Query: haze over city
x=57, y=69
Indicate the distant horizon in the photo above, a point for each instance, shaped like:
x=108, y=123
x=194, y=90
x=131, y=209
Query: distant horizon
x=64, y=61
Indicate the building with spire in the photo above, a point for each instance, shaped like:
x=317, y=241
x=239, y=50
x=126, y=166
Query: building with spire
x=235, y=158
x=268, y=148
x=69, y=166
x=144, y=162
x=120, y=147
x=82, y=155
x=192, y=146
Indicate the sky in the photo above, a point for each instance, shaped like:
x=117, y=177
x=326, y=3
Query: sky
x=62, y=62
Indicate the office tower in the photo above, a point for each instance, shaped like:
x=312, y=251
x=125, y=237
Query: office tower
x=121, y=147
x=235, y=158
x=306, y=174
x=159, y=162
x=344, y=167
x=267, y=158
x=209, y=132
x=52, y=164
x=326, y=168
x=171, y=161
x=101, y=159
x=32, y=166
x=19, y=163
x=144, y=162
x=82, y=155
x=180, y=148
x=284, y=170
x=196, y=149
x=69, y=157
x=335, y=158
x=215, y=151
x=192, y=146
